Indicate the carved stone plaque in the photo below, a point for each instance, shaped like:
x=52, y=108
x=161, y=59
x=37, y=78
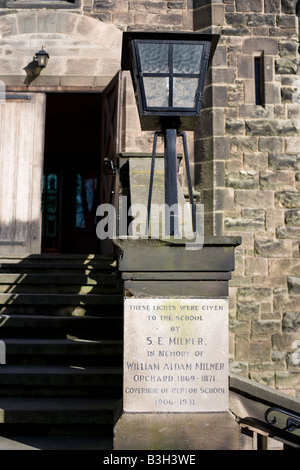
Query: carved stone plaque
x=175, y=355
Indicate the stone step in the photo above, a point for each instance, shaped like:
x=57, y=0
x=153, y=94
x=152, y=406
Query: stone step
x=51, y=326
x=84, y=264
x=90, y=279
x=71, y=351
x=44, y=289
x=61, y=299
x=57, y=411
x=62, y=260
x=62, y=346
x=59, y=375
x=55, y=443
x=61, y=304
x=62, y=391
x=61, y=310
x=52, y=321
x=61, y=321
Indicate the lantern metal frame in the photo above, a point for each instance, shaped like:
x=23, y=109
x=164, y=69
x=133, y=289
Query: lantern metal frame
x=42, y=58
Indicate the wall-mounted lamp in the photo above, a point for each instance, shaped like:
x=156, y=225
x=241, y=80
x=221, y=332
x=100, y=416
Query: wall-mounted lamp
x=42, y=58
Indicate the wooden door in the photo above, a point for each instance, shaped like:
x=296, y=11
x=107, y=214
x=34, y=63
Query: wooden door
x=22, y=124
x=110, y=138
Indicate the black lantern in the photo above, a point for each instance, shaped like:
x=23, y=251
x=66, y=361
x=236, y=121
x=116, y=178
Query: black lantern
x=42, y=58
x=168, y=72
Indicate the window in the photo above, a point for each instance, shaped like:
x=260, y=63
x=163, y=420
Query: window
x=170, y=73
x=86, y=195
x=50, y=209
x=259, y=80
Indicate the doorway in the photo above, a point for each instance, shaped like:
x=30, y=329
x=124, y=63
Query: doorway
x=72, y=172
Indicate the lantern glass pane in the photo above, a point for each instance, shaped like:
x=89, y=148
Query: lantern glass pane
x=184, y=92
x=157, y=91
x=187, y=58
x=154, y=57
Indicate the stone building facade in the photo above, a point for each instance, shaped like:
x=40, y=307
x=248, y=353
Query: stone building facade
x=245, y=149
x=252, y=157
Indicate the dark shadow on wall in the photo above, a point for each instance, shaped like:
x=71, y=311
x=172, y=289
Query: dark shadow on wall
x=298, y=16
x=32, y=72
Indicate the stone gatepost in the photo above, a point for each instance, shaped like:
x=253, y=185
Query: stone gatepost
x=175, y=385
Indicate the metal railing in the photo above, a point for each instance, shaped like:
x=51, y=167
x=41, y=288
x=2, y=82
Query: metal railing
x=265, y=413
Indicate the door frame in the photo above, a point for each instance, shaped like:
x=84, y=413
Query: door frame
x=21, y=165
x=69, y=159
x=116, y=82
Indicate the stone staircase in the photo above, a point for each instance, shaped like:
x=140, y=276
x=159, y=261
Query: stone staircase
x=61, y=322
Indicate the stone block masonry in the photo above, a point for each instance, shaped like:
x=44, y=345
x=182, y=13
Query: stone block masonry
x=247, y=164
x=150, y=14
x=261, y=169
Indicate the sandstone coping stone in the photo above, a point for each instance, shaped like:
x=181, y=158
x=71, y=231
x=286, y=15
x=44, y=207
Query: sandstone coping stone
x=177, y=431
x=147, y=255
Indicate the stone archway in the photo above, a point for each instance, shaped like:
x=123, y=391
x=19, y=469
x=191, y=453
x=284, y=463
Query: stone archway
x=84, y=52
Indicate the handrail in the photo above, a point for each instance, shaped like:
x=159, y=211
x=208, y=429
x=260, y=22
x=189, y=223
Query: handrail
x=265, y=410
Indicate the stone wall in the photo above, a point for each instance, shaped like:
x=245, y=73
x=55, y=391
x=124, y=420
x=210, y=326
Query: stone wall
x=248, y=166
x=139, y=15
